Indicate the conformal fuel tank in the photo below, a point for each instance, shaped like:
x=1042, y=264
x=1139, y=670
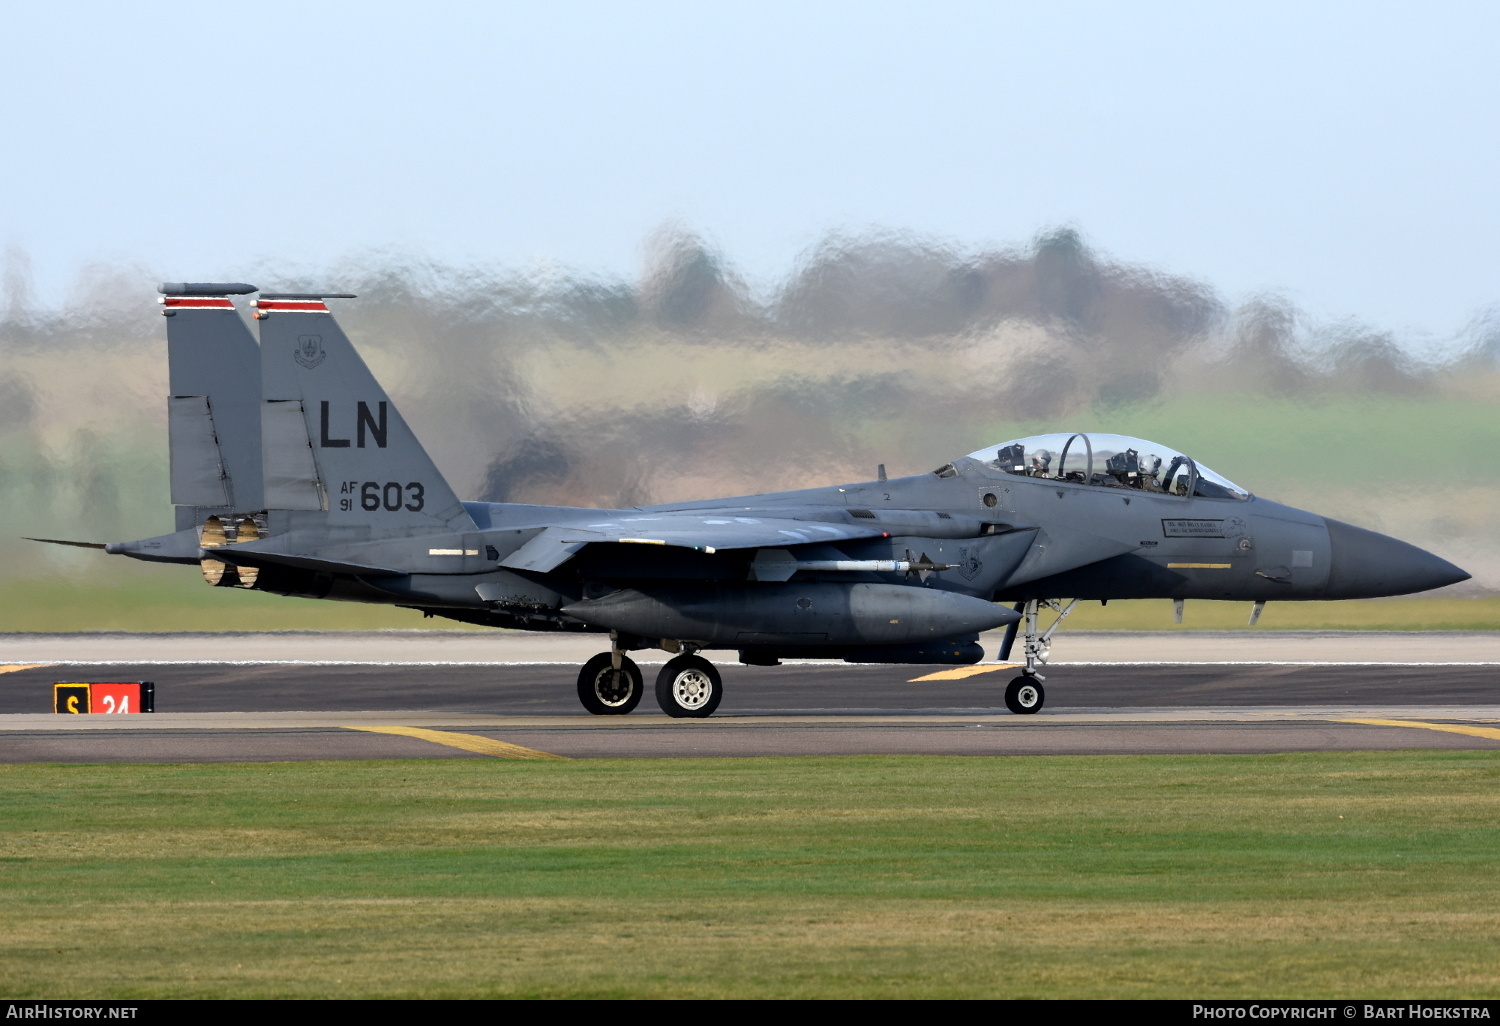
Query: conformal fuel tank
x=813, y=613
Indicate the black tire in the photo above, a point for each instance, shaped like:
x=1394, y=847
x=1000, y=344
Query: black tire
x=689, y=687
x=1024, y=695
x=601, y=694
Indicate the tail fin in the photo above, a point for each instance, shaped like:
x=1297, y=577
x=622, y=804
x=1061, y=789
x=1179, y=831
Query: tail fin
x=213, y=411
x=334, y=441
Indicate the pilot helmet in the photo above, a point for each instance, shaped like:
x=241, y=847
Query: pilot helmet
x=1041, y=460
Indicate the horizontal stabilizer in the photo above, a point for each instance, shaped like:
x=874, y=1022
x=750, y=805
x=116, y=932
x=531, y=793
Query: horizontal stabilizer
x=178, y=547
x=241, y=556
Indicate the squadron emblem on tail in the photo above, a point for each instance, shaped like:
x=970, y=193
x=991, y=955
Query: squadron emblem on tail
x=309, y=352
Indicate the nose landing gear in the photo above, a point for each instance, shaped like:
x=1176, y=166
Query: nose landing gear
x=1025, y=694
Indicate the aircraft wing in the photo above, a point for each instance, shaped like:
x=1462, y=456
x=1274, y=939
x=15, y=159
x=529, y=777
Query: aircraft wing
x=696, y=531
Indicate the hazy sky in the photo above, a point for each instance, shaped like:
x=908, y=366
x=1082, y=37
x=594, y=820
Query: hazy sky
x=1342, y=153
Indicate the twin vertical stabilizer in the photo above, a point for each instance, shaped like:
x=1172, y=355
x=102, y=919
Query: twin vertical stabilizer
x=334, y=441
x=296, y=424
x=213, y=411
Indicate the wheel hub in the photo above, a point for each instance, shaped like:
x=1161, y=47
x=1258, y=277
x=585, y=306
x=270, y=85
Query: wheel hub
x=1027, y=696
x=692, y=689
x=612, y=686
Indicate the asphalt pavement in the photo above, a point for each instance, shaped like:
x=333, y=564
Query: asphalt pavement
x=282, y=707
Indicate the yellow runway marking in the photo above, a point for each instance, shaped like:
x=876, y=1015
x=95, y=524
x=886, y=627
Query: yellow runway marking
x=468, y=742
x=960, y=672
x=1452, y=728
x=29, y=666
x=1199, y=566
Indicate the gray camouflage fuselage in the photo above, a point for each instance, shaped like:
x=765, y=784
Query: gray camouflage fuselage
x=345, y=504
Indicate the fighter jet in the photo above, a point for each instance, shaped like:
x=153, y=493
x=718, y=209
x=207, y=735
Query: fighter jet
x=292, y=472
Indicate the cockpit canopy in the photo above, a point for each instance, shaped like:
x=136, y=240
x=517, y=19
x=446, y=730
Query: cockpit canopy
x=1109, y=461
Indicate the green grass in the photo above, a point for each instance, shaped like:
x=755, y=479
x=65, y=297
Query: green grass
x=1332, y=874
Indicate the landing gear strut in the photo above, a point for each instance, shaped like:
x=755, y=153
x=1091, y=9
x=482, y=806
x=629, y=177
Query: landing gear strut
x=1025, y=694
x=610, y=684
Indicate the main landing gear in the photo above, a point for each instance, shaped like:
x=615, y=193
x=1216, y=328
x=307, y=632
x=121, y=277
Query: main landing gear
x=610, y=684
x=688, y=686
x=1025, y=694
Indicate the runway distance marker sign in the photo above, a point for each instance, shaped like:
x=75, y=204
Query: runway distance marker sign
x=78, y=697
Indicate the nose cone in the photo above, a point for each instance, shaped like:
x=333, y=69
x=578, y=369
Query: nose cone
x=1364, y=564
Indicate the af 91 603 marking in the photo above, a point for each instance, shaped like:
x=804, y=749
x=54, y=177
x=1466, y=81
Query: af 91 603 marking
x=390, y=496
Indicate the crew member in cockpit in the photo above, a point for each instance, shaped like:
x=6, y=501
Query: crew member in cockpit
x=1041, y=461
x=1150, y=465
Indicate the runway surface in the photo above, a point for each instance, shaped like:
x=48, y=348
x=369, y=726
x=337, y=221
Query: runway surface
x=1257, y=646
x=280, y=709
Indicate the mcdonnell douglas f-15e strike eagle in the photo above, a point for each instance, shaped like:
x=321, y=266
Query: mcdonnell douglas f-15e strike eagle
x=292, y=472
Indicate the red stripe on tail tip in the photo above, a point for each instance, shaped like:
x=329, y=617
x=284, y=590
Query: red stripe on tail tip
x=195, y=303
x=297, y=305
